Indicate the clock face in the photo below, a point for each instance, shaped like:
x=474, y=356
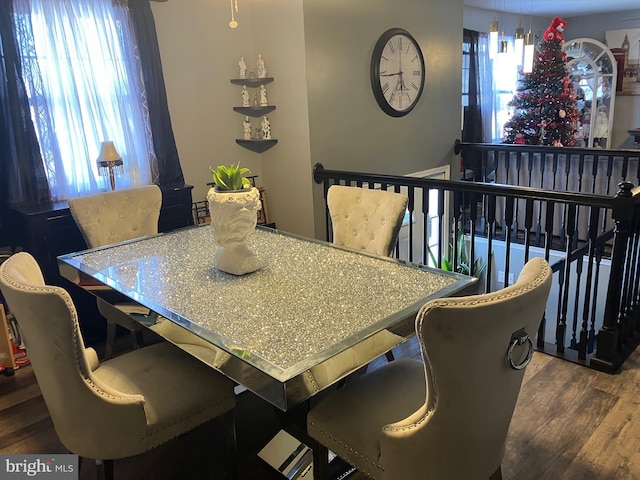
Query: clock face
x=397, y=72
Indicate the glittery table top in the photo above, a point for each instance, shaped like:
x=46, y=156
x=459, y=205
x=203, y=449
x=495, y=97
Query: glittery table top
x=308, y=301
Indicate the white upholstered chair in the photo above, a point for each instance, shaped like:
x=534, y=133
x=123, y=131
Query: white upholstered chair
x=120, y=407
x=446, y=417
x=112, y=217
x=368, y=220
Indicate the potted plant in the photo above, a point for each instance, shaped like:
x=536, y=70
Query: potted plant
x=233, y=206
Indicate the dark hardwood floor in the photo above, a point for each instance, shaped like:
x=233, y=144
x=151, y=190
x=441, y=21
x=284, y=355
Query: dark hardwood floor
x=570, y=423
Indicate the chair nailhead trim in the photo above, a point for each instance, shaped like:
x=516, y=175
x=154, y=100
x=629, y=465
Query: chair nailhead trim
x=354, y=452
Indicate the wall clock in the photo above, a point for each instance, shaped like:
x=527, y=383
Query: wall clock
x=397, y=72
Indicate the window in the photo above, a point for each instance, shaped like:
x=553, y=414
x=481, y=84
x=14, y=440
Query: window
x=466, y=59
x=505, y=79
x=84, y=85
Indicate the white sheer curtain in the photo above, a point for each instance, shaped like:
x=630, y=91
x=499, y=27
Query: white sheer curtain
x=85, y=84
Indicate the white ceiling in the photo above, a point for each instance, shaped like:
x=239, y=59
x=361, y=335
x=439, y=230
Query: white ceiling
x=560, y=8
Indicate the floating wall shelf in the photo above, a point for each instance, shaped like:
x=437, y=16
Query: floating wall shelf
x=255, y=111
x=251, y=82
x=257, y=146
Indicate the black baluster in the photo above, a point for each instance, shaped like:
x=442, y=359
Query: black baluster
x=561, y=284
x=528, y=223
x=411, y=209
x=443, y=226
x=490, y=215
x=457, y=216
x=580, y=177
x=515, y=217
x=576, y=301
x=508, y=214
x=325, y=188
x=548, y=235
x=594, y=214
x=563, y=227
x=425, y=227
x=580, y=170
x=473, y=215
x=562, y=324
x=591, y=342
x=625, y=167
x=543, y=162
x=609, y=160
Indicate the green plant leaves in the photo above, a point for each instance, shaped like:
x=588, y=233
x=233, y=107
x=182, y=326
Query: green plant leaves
x=230, y=177
x=464, y=266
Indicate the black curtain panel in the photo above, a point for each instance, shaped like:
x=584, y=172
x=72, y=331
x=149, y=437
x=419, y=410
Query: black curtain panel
x=22, y=175
x=169, y=171
x=472, y=121
x=472, y=126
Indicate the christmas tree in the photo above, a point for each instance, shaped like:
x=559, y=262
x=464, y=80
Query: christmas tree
x=545, y=111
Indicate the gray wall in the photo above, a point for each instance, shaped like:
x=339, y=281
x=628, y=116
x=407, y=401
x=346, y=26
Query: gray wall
x=348, y=130
x=319, y=53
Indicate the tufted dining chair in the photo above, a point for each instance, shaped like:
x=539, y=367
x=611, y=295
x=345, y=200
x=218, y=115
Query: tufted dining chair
x=446, y=417
x=117, y=408
x=113, y=217
x=366, y=219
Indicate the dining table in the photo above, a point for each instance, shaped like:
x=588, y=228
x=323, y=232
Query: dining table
x=311, y=303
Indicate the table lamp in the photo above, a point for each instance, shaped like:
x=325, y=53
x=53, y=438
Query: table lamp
x=108, y=161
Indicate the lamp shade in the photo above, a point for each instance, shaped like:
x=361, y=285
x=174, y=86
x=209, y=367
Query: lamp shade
x=109, y=162
x=108, y=155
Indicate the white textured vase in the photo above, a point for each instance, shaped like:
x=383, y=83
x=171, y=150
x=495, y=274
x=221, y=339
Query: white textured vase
x=233, y=219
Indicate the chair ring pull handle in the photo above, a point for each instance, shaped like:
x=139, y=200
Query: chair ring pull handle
x=519, y=338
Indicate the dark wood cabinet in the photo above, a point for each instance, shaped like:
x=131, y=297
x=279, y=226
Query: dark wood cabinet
x=177, y=211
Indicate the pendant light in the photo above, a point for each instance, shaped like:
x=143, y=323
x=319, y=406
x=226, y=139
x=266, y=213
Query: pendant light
x=527, y=58
x=493, y=35
x=529, y=50
x=519, y=40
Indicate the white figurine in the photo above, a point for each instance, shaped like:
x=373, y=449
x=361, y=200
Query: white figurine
x=245, y=96
x=266, y=128
x=262, y=70
x=246, y=125
x=263, y=96
x=243, y=68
